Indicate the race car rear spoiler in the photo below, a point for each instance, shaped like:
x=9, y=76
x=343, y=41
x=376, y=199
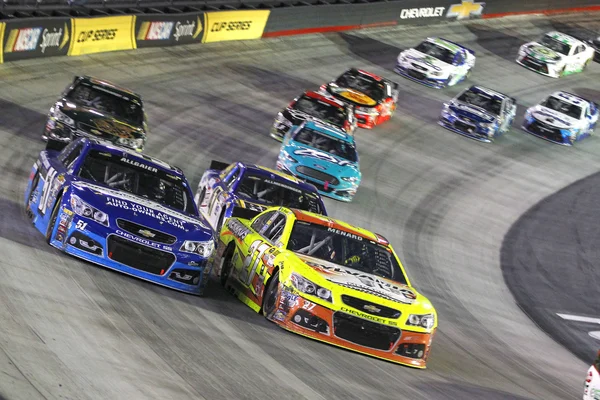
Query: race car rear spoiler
x=459, y=45
x=244, y=213
x=218, y=165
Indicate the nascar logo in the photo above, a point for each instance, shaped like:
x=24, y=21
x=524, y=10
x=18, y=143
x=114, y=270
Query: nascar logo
x=24, y=39
x=155, y=30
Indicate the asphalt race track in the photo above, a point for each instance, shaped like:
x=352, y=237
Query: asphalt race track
x=550, y=258
x=72, y=330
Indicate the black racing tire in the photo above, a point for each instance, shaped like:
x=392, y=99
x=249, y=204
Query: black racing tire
x=52, y=222
x=34, y=183
x=270, y=295
x=562, y=72
x=220, y=222
x=201, y=196
x=586, y=63
x=226, y=264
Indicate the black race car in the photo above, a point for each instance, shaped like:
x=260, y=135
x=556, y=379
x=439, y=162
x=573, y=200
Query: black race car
x=97, y=108
x=314, y=106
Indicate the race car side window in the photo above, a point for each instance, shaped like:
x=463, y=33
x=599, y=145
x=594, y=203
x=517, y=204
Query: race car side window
x=579, y=49
x=70, y=154
x=458, y=59
x=275, y=228
x=260, y=223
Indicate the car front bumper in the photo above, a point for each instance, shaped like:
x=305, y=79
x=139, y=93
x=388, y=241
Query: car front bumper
x=537, y=66
x=420, y=77
x=114, y=249
x=342, y=328
x=473, y=131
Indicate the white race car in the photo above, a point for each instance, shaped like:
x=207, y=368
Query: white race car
x=591, y=386
x=562, y=117
x=556, y=55
x=436, y=62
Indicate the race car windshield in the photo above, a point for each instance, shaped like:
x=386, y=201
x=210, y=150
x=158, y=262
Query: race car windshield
x=327, y=144
x=321, y=110
x=276, y=193
x=363, y=84
x=572, y=110
x=488, y=103
x=556, y=45
x=120, y=173
x=107, y=102
x=346, y=249
x=433, y=50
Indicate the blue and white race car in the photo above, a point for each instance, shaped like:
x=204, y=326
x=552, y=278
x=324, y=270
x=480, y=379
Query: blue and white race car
x=479, y=113
x=562, y=118
x=122, y=210
x=226, y=186
x=323, y=156
x=436, y=62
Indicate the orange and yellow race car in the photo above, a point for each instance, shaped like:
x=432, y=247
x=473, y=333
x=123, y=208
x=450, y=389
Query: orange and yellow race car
x=327, y=280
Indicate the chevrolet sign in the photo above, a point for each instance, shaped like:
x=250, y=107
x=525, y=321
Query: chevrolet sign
x=424, y=12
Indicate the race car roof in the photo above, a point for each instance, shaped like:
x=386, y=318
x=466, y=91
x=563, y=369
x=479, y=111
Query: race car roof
x=371, y=75
x=563, y=37
x=444, y=43
x=318, y=219
x=487, y=91
x=104, y=83
x=292, y=180
x=326, y=99
x=570, y=98
x=98, y=144
x=336, y=133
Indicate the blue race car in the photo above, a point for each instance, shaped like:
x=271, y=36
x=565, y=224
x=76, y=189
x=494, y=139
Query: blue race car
x=123, y=210
x=479, y=113
x=323, y=156
x=224, y=186
x=563, y=118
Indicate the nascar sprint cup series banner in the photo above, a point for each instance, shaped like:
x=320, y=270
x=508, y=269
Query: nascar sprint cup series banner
x=29, y=38
x=99, y=34
x=165, y=30
x=235, y=25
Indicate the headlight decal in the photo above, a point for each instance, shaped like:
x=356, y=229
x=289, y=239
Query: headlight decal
x=203, y=249
x=426, y=321
x=83, y=209
x=308, y=287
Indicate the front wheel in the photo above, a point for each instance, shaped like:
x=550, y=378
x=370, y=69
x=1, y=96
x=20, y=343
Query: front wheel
x=269, y=303
x=52, y=222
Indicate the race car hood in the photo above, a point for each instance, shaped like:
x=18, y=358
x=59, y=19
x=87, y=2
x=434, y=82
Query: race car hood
x=362, y=282
x=98, y=124
x=119, y=204
x=474, y=113
x=326, y=162
x=424, y=62
x=541, y=52
x=351, y=96
x=552, y=117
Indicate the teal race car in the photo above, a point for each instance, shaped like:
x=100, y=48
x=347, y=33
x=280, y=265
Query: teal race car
x=323, y=156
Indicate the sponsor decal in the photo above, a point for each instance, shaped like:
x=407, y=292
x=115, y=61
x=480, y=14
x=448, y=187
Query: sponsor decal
x=146, y=233
x=344, y=233
x=356, y=97
x=81, y=225
x=161, y=30
x=114, y=128
x=139, y=164
x=235, y=25
x=424, y=12
x=144, y=210
x=25, y=39
x=143, y=241
x=99, y=34
x=368, y=316
x=237, y=228
x=188, y=28
x=465, y=10
x=279, y=315
x=270, y=182
x=321, y=155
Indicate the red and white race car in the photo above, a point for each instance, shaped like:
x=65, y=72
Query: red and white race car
x=373, y=97
x=591, y=386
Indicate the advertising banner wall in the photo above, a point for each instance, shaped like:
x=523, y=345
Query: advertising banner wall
x=1, y=41
x=95, y=35
x=167, y=30
x=39, y=37
x=235, y=25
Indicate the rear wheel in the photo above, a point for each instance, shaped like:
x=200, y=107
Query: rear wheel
x=269, y=303
x=52, y=222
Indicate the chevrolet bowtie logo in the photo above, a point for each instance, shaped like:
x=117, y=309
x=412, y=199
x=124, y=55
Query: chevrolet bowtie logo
x=371, y=308
x=146, y=233
x=465, y=10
